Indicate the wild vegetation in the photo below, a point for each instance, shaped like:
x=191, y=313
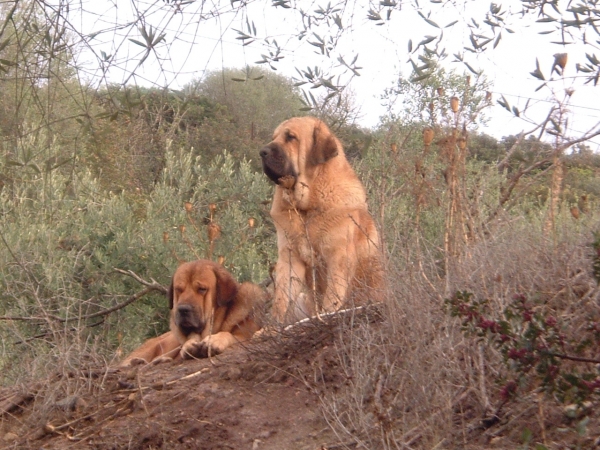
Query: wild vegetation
x=490, y=332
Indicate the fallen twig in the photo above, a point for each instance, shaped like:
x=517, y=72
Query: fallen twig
x=160, y=385
x=320, y=317
x=13, y=401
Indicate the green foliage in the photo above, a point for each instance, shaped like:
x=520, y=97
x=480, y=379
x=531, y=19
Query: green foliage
x=159, y=108
x=238, y=193
x=526, y=152
x=428, y=100
x=582, y=184
x=40, y=97
x=63, y=237
x=408, y=189
x=486, y=148
x=398, y=192
x=133, y=126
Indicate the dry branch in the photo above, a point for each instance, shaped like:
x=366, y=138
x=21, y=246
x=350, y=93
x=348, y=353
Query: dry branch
x=575, y=358
x=153, y=284
x=506, y=191
x=104, y=312
x=150, y=287
x=14, y=400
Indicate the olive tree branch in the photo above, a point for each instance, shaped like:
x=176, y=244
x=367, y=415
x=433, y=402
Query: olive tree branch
x=152, y=286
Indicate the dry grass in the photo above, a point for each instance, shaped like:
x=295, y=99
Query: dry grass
x=414, y=380
x=404, y=375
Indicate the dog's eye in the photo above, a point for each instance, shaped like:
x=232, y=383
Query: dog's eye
x=202, y=290
x=289, y=137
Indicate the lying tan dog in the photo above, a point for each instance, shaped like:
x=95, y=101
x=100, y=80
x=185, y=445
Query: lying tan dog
x=327, y=241
x=210, y=311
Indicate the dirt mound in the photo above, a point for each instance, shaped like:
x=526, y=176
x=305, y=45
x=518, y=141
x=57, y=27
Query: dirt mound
x=245, y=398
x=274, y=394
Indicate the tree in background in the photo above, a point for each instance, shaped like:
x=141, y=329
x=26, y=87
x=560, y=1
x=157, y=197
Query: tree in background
x=42, y=100
x=135, y=126
x=256, y=99
x=248, y=103
x=426, y=98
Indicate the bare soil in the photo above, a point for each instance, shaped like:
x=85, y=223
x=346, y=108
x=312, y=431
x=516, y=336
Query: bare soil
x=242, y=399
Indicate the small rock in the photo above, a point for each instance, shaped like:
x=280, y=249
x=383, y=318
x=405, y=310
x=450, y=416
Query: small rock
x=71, y=403
x=497, y=442
x=265, y=435
x=9, y=437
x=233, y=374
x=123, y=384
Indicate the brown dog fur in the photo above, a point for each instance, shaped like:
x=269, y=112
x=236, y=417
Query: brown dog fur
x=210, y=311
x=327, y=241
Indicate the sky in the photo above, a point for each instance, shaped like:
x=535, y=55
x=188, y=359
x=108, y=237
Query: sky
x=198, y=41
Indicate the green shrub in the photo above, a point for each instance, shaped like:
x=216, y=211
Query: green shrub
x=63, y=236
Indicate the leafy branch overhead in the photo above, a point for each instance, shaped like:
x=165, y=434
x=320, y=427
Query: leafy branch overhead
x=151, y=40
x=323, y=31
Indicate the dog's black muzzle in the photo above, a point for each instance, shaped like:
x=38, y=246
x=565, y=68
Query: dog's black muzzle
x=187, y=320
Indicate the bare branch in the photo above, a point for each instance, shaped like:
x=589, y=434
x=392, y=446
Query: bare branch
x=130, y=300
x=21, y=265
x=512, y=184
x=574, y=358
x=584, y=138
x=502, y=164
x=151, y=287
x=153, y=284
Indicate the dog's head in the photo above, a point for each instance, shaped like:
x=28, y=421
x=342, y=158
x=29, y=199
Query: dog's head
x=299, y=144
x=197, y=289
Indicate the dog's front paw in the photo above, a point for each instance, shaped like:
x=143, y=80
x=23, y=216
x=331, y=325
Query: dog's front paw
x=193, y=349
x=161, y=360
x=214, y=344
x=133, y=362
x=217, y=343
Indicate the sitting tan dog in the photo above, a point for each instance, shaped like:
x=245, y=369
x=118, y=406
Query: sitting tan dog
x=210, y=311
x=329, y=250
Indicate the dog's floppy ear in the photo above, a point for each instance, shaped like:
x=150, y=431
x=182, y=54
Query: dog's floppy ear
x=325, y=146
x=227, y=287
x=170, y=295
